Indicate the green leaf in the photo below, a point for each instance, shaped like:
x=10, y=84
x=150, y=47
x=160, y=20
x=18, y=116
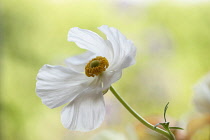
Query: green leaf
x=165, y=109
x=176, y=128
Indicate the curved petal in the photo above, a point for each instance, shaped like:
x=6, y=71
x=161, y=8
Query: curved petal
x=57, y=85
x=123, y=50
x=85, y=113
x=78, y=62
x=110, y=77
x=88, y=40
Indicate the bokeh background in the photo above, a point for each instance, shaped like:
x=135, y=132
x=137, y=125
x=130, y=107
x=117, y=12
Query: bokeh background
x=173, y=53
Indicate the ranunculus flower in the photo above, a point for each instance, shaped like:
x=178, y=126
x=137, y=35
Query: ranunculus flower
x=84, y=79
x=202, y=95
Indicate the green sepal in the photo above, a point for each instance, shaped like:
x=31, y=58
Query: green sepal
x=105, y=91
x=165, y=125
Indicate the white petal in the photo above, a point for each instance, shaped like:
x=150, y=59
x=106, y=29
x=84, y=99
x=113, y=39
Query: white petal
x=88, y=40
x=123, y=50
x=79, y=62
x=110, y=77
x=57, y=85
x=202, y=96
x=85, y=113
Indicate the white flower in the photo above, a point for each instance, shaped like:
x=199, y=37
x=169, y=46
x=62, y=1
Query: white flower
x=202, y=95
x=85, y=77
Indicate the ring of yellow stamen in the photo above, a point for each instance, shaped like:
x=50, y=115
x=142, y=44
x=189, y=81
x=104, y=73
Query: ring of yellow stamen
x=96, y=66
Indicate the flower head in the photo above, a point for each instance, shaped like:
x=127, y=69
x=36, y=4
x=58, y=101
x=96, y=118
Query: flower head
x=202, y=95
x=82, y=82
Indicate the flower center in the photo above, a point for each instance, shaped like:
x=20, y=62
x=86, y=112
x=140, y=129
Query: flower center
x=96, y=66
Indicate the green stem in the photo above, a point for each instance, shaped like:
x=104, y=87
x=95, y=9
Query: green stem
x=171, y=134
x=138, y=117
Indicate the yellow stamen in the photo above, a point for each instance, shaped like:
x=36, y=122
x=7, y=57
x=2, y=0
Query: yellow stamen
x=96, y=66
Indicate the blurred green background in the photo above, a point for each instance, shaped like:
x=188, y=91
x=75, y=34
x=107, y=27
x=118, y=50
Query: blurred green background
x=173, y=52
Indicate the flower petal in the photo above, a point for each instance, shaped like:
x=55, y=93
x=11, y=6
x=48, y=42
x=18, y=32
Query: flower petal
x=124, y=51
x=110, y=77
x=85, y=113
x=88, y=40
x=57, y=85
x=202, y=95
x=78, y=62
